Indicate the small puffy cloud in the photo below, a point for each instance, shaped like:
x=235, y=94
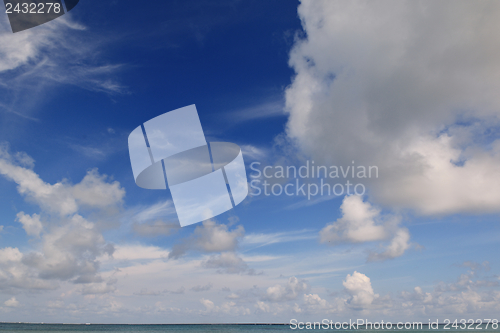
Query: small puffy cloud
x=417, y=295
x=228, y=262
x=31, y=224
x=227, y=308
x=12, y=303
x=361, y=222
x=202, y=288
x=95, y=191
x=356, y=225
x=288, y=291
x=396, y=248
x=313, y=302
x=263, y=306
x=209, y=305
x=209, y=237
x=359, y=287
x=213, y=237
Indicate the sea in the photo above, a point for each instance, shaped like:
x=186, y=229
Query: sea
x=195, y=328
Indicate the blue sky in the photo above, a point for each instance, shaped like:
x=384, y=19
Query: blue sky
x=409, y=87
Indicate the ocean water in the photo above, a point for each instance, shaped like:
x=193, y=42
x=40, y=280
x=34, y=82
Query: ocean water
x=223, y=328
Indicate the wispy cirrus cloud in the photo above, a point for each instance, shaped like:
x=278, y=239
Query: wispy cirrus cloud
x=37, y=60
x=263, y=239
x=260, y=111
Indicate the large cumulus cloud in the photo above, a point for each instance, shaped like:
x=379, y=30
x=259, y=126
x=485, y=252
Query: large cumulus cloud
x=410, y=86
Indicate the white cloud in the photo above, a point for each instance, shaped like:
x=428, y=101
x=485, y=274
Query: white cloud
x=467, y=295
x=12, y=303
x=209, y=237
x=356, y=225
x=70, y=244
x=408, y=86
x=14, y=274
x=260, y=111
x=227, y=308
x=209, y=305
x=253, y=153
x=52, y=197
x=361, y=222
x=263, y=306
x=9, y=254
x=70, y=251
x=154, y=212
x=417, y=294
x=262, y=239
x=396, y=248
x=359, y=287
x=314, y=302
x=58, y=52
x=62, y=198
x=213, y=237
x=465, y=282
x=31, y=224
x=95, y=191
x=228, y=262
x=287, y=292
